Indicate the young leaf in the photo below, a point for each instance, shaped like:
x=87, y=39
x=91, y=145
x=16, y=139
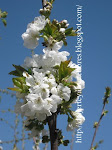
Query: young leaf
x=64, y=70
x=4, y=22
x=56, y=67
x=54, y=29
x=73, y=33
x=18, y=72
x=70, y=119
x=4, y=14
x=68, y=31
x=105, y=112
x=20, y=84
x=47, y=30
x=65, y=42
x=66, y=142
x=15, y=89
x=0, y=12
x=95, y=124
x=17, y=83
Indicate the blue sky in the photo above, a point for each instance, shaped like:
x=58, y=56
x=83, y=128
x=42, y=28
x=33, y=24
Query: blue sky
x=97, y=53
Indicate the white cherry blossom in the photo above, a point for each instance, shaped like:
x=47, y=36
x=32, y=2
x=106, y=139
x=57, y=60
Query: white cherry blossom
x=78, y=120
x=57, y=46
x=31, y=36
x=30, y=42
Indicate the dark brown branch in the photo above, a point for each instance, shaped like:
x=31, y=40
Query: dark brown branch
x=52, y=120
x=96, y=129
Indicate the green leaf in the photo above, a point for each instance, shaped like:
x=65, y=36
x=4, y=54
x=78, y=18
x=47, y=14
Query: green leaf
x=29, y=71
x=64, y=70
x=66, y=142
x=15, y=147
x=4, y=22
x=101, y=141
x=20, y=84
x=21, y=80
x=17, y=83
x=68, y=31
x=108, y=92
x=48, y=29
x=73, y=33
x=69, y=84
x=45, y=139
x=74, y=95
x=56, y=67
x=54, y=29
x=45, y=38
x=0, y=11
x=65, y=43
x=15, y=89
x=96, y=146
x=105, y=112
x=18, y=72
x=51, y=30
x=25, y=88
x=4, y=14
x=15, y=73
x=95, y=125
x=51, y=1
x=70, y=119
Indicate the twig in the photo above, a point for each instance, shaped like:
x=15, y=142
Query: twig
x=46, y=146
x=23, y=135
x=1, y=119
x=72, y=141
x=102, y=114
x=15, y=129
x=11, y=141
x=105, y=101
x=7, y=92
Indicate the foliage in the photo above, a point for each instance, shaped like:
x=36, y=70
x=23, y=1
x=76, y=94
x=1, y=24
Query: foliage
x=3, y=15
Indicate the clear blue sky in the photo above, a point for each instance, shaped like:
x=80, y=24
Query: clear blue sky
x=97, y=53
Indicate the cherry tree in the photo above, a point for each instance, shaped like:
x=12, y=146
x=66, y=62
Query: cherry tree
x=48, y=84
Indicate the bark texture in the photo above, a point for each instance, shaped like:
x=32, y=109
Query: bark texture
x=52, y=120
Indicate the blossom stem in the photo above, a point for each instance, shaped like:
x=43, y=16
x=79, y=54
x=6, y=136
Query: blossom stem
x=32, y=52
x=52, y=120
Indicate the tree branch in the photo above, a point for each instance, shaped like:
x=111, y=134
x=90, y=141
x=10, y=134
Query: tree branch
x=52, y=120
x=96, y=129
x=105, y=101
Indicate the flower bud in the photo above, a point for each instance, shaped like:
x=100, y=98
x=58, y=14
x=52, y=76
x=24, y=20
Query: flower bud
x=4, y=14
x=64, y=24
x=65, y=21
x=55, y=22
x=62, y=30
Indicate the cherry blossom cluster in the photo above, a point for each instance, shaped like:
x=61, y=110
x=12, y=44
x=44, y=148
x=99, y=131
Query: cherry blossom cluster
x=49, y=82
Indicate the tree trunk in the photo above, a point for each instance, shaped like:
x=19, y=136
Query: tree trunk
x=53, y=131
